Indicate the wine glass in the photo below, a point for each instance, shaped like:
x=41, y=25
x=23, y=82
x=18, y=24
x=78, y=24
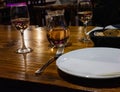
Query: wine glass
x=57, y=31
x=85, y=14
x=20, y=20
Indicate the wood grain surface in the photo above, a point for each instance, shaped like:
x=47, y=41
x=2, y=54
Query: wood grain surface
x=19, y=69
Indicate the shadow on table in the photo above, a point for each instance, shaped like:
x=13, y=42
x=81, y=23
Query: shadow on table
x=11, y=85
x=88, y=82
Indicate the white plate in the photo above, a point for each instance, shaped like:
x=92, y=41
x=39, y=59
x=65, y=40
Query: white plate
x=97, y=62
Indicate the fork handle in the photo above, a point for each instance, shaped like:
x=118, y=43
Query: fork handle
x=41, y=69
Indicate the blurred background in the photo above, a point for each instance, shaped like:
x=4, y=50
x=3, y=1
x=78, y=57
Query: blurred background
x=105, y=12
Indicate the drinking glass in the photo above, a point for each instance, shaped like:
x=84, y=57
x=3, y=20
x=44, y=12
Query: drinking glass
x=85, y=13
x=57, y=31
x=20, y=20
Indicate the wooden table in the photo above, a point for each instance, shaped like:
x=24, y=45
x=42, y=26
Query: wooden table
x=17, y=71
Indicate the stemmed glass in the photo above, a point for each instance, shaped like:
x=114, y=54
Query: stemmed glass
x=84, y=11
x=20, y=20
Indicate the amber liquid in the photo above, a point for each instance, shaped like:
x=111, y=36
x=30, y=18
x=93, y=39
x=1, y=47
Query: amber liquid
x=58, y=37
x=20, y=23
x=85, y=16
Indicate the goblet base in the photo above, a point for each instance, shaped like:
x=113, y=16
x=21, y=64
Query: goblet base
x=24, y=50
x=84, y=39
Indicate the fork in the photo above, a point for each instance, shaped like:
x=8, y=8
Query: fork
x=59, y=52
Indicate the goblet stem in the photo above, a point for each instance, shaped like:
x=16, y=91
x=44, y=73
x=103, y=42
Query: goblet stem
x=24, y=49
x=85, y=37
x=85, y=31
x=23, y=42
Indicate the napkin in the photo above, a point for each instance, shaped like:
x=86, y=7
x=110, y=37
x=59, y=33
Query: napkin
x=107, y=27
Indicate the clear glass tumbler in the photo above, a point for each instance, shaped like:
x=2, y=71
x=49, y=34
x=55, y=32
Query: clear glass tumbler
x=57, y=31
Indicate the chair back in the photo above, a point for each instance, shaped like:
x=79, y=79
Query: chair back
x=36, y=17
